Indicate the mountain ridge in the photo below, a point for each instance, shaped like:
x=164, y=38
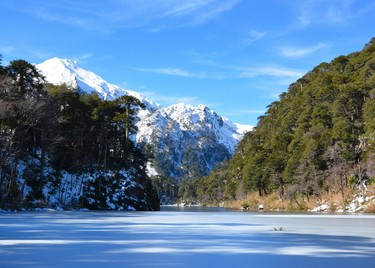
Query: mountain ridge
x=58, y=71
x=179, y=129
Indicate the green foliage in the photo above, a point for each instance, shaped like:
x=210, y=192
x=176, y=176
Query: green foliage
x=1, y=67
x=312, y=139
x=45, y=125
x=28, y=82
x=166, y=188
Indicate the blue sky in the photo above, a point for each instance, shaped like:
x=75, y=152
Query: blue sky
x=235, y=56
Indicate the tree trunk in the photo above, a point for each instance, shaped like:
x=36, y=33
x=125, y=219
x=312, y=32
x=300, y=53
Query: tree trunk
x=127, y=137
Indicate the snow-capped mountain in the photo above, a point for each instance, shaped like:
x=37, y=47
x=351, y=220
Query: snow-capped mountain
x=184, y=140
x=187, y=118
x=58, y=71
x=187, y=141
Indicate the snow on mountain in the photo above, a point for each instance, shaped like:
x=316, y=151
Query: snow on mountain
x=188, y=141
x=187, y=118
x=184, y=140
x=59, y=71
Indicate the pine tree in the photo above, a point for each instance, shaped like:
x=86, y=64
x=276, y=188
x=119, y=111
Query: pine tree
x=1, y=66
x=28, y=82
x=318, y=137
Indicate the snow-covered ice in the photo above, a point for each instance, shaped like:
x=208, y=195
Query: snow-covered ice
x=185, y=239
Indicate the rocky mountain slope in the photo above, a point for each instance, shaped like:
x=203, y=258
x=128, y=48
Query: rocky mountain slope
x=183, y=140
x=187, y=141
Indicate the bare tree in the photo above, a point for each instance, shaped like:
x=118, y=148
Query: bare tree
x=337, y=173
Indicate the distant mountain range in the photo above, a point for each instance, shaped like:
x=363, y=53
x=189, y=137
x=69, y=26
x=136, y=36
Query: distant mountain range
x=183, y=140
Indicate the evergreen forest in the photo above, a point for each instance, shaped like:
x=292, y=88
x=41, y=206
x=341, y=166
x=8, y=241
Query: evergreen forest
x=65, y=149
x=318, y=139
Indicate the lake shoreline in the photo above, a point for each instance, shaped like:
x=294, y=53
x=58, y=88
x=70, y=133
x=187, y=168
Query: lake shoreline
x=355, y=202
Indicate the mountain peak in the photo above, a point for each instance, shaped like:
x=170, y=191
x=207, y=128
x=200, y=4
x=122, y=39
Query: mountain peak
x=59, y=71
x=187, y=140
x=65, y=71
x=65, y=61
x=58, y=63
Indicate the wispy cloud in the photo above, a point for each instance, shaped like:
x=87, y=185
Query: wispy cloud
x=254, y=36
x=23, y=51
x=205, y=58
x=183, y=8
x=37, y=54
x=227, y=71
x=330, y=12
x=114, y=14
x=172, y=72
x=212, y=11
x=297, y=52
x=73, y=16
x=214, y=74
x=305, y=14
x=244, y=112
x=251, y=72
x=84, y=57
x=7, y=50
x=169, y=100
x=232, y=72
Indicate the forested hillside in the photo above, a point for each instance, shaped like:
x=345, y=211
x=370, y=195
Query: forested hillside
x=318, y=138
x=62, y=148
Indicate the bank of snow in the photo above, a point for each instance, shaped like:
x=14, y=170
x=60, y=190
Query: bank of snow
x=358, y=203
x=100, y=189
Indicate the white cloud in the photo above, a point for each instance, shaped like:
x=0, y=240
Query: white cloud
x=7, y=50
x=251, y=72
x=169, y=100
x=296, y=52
x=172, y=72
x=244, y=112
x=107, y=16
x=254, y=36
x=212, y=11
x=39, y=54
x=82, y=58
x=330, y=12
x=182, y=73
x=240, y=72
x=304, y=19
x=23, y=51
x=183, y=7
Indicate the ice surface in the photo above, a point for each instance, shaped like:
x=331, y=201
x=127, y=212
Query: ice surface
x=185, y=239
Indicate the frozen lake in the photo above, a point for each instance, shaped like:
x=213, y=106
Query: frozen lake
x=210, y=238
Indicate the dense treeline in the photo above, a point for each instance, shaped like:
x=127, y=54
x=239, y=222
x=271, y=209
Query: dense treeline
x=319, y=137
x=52, y=135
